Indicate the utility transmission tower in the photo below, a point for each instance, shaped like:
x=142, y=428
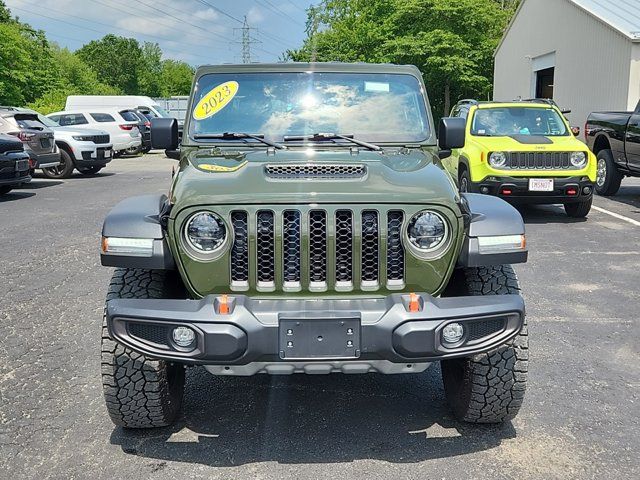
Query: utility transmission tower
x=247, y=39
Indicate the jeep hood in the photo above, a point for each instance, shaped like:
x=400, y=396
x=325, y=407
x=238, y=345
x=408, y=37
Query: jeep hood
x=529, y=143
x=214, y=176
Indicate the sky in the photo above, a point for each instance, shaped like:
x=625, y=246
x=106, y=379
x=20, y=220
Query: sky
x=195, y=31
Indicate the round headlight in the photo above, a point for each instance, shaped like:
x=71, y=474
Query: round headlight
x=578, y=159
x=205, y=232
x=497, y=159
x=427, y=231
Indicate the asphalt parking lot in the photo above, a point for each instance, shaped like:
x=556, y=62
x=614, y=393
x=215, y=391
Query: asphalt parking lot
x=581, y=417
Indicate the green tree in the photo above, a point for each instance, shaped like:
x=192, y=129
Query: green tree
x=176, y=78
x=74, y=78
x=451, y=41
x=5, y=13
x=116, y=60
x=150, y=70
x=26, y=66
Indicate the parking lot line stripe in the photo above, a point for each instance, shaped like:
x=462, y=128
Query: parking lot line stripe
x=617, y=215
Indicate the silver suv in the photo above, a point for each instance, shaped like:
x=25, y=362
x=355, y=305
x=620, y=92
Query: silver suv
x=37, y=138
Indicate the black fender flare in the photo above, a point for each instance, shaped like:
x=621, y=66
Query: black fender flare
x=490, y=217
x=141, y=218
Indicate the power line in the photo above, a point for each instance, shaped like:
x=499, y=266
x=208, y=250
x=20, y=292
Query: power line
x=297, y=6
x=113, y=7
x=219, y=10
x=270, y=6
x=101, y=32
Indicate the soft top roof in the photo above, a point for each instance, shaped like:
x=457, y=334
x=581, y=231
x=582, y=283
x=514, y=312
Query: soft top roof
x=336, y=67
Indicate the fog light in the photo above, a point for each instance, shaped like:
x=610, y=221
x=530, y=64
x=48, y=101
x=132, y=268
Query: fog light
x=183, y=336
x=586, y=190
x=484, y=190
x=452, y=333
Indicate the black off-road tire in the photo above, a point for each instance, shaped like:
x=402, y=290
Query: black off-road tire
x=612, y=178
x=64, y=170
x=488, y=387
x=578, y=210
x=464, y=182
x=140, y=392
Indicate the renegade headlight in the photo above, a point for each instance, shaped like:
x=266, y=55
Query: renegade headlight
x=578, y=159
x=427, y=231
x=498, y=159
x=205, y=233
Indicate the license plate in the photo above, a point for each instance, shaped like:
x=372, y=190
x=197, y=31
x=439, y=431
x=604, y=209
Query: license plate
x=541, y=184
x=107, y=153
x=309, y=339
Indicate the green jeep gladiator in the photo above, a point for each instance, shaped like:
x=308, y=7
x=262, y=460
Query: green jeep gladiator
x=311, y=228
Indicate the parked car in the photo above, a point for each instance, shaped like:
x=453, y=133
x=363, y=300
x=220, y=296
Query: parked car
x=86, y=150
x=14, y=163
x=38, y=139
x=124, y=134
x=144, y=125
x=114, y=102
x=295, y=251
x=614, y=137
x=523, y=152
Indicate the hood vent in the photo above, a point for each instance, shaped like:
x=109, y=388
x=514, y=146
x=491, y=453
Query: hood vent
x=318, y=171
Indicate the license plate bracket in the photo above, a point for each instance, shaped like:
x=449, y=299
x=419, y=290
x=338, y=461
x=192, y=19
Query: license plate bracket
x=319, y=338
x=541, y=185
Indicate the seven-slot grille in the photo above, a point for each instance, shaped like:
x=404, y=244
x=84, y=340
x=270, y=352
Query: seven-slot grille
x=341, y=249
x=538, y=161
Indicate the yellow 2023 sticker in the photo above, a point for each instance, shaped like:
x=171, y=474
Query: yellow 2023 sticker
x=214, y=101
x=221, y=168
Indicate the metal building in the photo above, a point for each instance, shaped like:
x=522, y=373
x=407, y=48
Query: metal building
x=585, y=54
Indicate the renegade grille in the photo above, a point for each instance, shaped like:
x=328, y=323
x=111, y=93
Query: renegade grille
x=316, y=171
x=538, y=161
x=321, y=250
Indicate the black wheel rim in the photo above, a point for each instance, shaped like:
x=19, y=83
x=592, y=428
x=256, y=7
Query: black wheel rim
x=59, y=169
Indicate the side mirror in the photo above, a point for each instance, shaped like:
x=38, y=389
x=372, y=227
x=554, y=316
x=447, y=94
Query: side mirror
x=451, y=134
x=164, y=133
x=575, y=131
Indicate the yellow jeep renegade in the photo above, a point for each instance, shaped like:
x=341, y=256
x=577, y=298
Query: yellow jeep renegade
x=523, y=152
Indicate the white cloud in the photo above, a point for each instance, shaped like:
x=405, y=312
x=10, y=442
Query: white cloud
x=255, y=16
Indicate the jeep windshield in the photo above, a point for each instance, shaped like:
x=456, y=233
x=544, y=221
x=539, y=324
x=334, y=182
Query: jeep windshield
x=508, y=121
x=376, y=108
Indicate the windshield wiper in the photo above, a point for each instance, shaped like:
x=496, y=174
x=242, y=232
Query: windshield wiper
x=238, y=136
x=317, y=137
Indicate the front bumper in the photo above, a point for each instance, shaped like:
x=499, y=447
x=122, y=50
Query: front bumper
x=96, y=157
x=519, y=188
x=264, y=330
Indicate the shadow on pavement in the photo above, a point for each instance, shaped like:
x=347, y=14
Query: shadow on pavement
x=312, y=419
x=38, y=183
x=629, y=195
x=77, y=174
x=544, y=214
x=14, y=195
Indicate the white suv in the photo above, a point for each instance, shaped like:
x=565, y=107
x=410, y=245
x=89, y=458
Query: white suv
x=125, y=136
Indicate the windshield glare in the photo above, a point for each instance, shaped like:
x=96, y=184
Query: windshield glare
x=507, y=121
x=372, y=107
